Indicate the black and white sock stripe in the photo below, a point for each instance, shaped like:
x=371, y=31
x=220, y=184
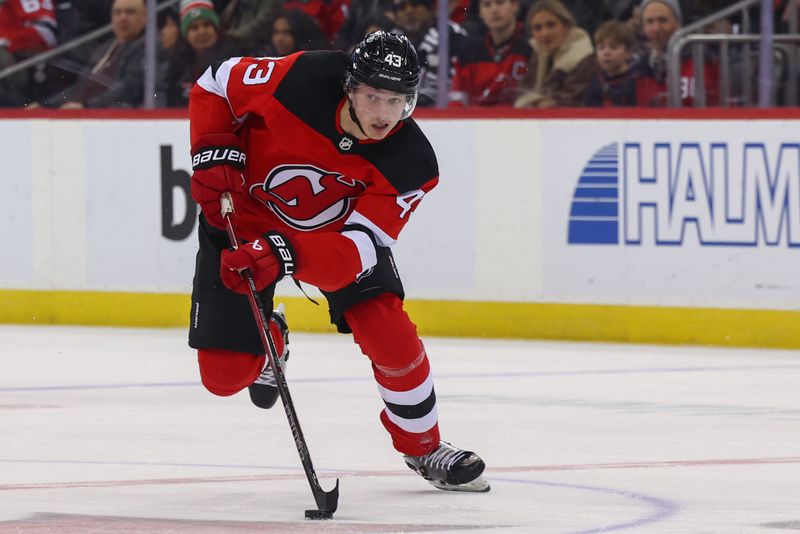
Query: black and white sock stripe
x=414, y=410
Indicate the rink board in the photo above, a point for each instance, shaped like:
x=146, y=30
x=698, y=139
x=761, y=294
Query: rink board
x=578, y=227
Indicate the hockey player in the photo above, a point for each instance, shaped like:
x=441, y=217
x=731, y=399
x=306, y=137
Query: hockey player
x=324, y=166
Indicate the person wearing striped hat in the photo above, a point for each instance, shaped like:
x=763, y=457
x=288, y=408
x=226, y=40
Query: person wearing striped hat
x=193, y=10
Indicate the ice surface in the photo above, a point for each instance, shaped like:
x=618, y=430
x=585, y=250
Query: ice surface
x=109, y=430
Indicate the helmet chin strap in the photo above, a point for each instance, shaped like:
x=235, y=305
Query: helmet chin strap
x=353, y=116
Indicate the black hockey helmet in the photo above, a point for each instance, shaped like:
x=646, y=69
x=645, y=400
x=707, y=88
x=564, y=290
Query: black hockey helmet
x=385, y=61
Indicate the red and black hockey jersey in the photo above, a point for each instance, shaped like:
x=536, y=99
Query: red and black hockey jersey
x=487, y=74
x=330, y=14
x=335, y=196
x=27, y=25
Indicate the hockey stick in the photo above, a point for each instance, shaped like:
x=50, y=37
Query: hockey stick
x=327, y=501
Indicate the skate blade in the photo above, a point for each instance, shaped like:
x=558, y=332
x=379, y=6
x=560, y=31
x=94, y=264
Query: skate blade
x=479, y=485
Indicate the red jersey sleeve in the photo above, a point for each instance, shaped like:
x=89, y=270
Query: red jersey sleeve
x=227, y=93
x=27, y=25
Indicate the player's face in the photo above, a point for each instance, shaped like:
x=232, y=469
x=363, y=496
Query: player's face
x=658, y=25
x=377, y=110
x=201, y=34
x=612, y=56
x=128, y=18
x=499, y=15
x=548, y=31
x=282, y=39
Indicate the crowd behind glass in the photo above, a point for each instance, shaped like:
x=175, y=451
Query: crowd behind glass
x=520, y=53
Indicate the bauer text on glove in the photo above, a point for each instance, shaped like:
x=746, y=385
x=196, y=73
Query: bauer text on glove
x=218, y=163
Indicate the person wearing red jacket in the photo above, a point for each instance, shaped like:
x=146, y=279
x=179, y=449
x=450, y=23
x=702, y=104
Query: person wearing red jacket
x=660, y=20
x=324, y=166
x=330, y=14
x=490, y=69
x=26, y=28
x=27, y=25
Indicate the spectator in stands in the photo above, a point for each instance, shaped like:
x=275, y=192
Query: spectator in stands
x=661, y=19
x=204, y=44
x=169, y=28
x=26, y=28
x=114, y=76
x=614, y=85
x=248, y=22
x=417, y=21
x=361, y=14
x=330, y=14
x=563, y=61
x=294, y=31
x=490, y=68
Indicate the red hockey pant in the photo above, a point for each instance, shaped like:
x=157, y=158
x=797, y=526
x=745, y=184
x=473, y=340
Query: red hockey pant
x=400, y=365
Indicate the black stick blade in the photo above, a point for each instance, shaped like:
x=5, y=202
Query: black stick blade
x=327, y=501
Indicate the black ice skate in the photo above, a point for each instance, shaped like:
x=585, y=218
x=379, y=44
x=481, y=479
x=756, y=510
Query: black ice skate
x=264, y=391
x=450, y=469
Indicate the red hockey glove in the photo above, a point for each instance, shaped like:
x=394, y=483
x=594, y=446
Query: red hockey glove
x=218, y=163
x=269, y=259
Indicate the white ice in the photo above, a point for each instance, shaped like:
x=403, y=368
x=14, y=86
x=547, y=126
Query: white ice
x=109, y=430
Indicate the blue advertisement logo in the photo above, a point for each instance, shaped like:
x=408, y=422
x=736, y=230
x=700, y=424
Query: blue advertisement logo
x=594, y=214
x=711, y=194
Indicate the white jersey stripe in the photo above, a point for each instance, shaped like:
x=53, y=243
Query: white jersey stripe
x=366, y=248
x=45, y=31
x=207, y=82
x=410, y=397
x=383, y=239
x=423, y=424
x=218, y=83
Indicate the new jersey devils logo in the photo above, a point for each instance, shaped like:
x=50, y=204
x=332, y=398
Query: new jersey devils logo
x=306, y=197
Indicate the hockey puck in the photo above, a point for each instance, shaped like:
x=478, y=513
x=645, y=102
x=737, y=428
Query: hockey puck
x=319, y=514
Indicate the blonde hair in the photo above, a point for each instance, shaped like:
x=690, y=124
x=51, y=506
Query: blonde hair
x=551, y=6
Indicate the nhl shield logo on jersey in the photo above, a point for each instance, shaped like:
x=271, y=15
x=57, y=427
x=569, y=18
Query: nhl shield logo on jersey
x=306, y=197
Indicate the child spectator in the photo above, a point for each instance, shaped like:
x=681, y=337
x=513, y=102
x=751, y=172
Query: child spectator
x=615, y=84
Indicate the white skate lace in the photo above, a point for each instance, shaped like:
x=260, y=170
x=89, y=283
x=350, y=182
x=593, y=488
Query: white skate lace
x=267, y=377
x=444, y=457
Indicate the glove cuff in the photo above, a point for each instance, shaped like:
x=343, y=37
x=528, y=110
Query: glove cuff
x=218, y=149
x=283, y=250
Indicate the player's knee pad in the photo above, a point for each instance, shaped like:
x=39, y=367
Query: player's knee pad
x=225, y=372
